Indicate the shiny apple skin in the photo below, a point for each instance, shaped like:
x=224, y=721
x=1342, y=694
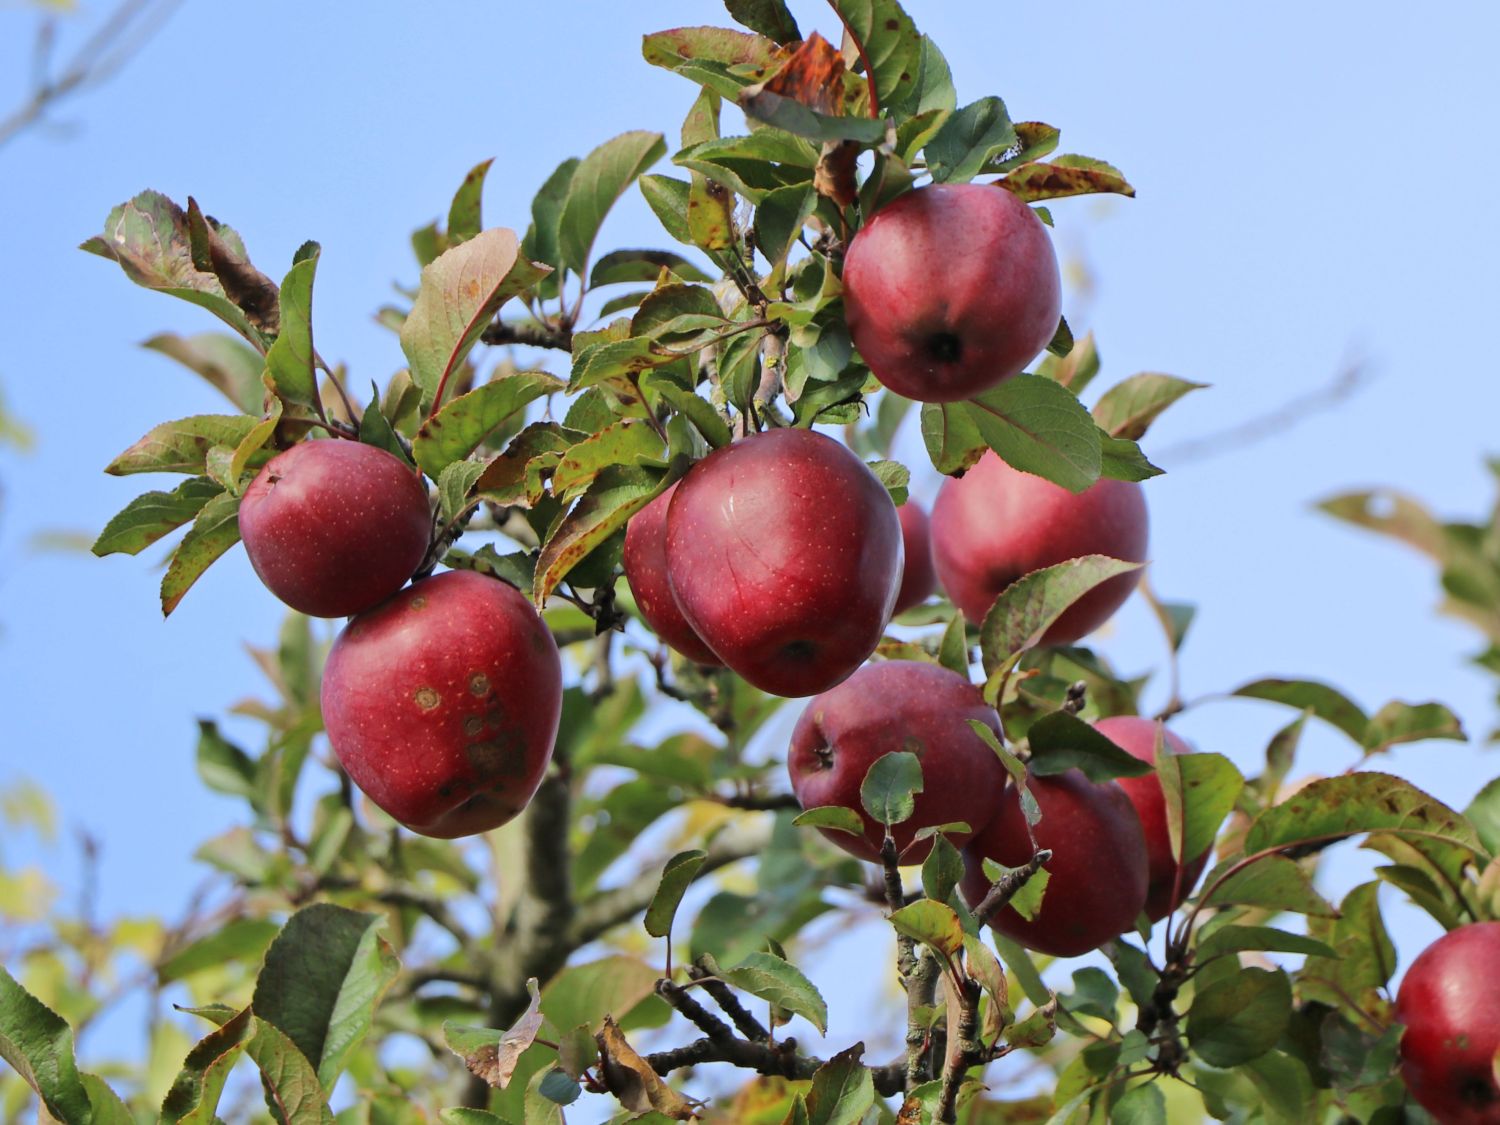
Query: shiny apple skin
x=886, y=708
x=1137, y=736
x=1098, y=871
x=951, y=289
x=334, y=527
x=645, y=563
x=995, y=524
x=918, y=579
x=1449, y=1001
x=442, y=703
x=784, y=555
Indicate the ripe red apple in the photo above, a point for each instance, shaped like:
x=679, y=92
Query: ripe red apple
x=883, y=709
x=1098, y=870
x=918, y=579
x=1138, y=736
x=995, y=524
x=784, y=555
x=334, y=527
x=645, y=563
x=951, y=289
x=442, y=703
x=1450, y=1003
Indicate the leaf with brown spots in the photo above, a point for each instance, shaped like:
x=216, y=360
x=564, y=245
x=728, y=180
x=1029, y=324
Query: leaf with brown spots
x=878, y=33
x=1066, y=176
x=1355, y=803
x=808, y=97
x=216, y=529
x=616, y=494
x=225, y=258
x=721, y=59
x=491, y=1055
x=631, y=1079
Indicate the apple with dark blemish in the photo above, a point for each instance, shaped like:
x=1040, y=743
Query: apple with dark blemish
x=918, y=579
x=784, y=556
x=645, y=563
x=951, y=289
x=1137, y=736
x=442, y=703
x=900, y=705
x=995, y=524
x=1097, y=876
x=333, y=527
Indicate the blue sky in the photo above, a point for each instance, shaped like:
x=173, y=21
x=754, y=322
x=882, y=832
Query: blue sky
x=1315, y=189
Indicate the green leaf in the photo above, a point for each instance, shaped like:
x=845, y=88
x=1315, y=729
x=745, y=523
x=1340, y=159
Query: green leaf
x=376, y=429
x=38, y=1045
x=676, y=877
x=149, y=238
x=1077, y=369
x=1036, y=140
x=1142, y=1105
x=216, y=529
x=181, y=446
x=836, y=817
x=1327, y=703
x=720, y=59
x=1335, y=807
x=1060, y=742
x=1397, y=723
x=322, y=978
x=779, y=218
x=557, y=1086
x=1360, y=964
x=642, y=266
x=1013, y=766
x=1393, y=514
x=455, y=486
x=953, y=649
x=1127, y=409
x=668, y=199
x=460, y=294
x=1484, y=814
x=675, y=310
x=701, y=414
x=194, y=1094
x=1029, y=606
x=290, y=364
x=1240, y=1017
x=1240, y=939
x=464, y=214
x=888, y=790
x=931, y=923
x=1200, y=790
x=459, y=1116
x=462, y=425
x=598, y=181
x=843, y=1090
x=1273, y=882
x=152, y=515
x=791, y=115
x=1027, y=901
x=895, y=476
x=626, y=443
x=616, y=494
x=942, y=870
x=223, y=766
x=293, y=1092
x=1036, y=1030
x=782, y=983
x=1036, y=425
x=1284, y=1087
x=585, y=994
x=223, y=361
x=891, y=43
x=968, y=139
x=1066, y=176
x=541, y=242
x=768, y=17
x=932, y=91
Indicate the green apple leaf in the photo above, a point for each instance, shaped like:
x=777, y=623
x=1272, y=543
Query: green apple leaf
x=1326, y=703
x=1265, y=939
x=152, y=515
x=322, y=978
x=1127, y=409
x=676, y=877
x=214, y=531
x=1393, y=514
x=1273, y=882
x=668, y=200
x=598, y=181
x=465, y=215
x=291, y=368
x=1398, y=722
x=942, y=870
x=788, y=114
x=541, y=241
x=1484, y=814
x=780, y=217
x=461, y=291
x=627, y=443
x=843, y=1090
x=463, y=424
x=1239, y=1018
x=1336, y=807
x=1141, y=1105
x=1035, y=424
x=642, y=266
x=782, y=983
x=616, y=494
x=968, y=140
x=1029, y=606
x=1060, y=741
x=223, y=361
x=710, y=214
x=889, y=788
x=836, y=817
x=194, y=1094
x=1362, y=959
x=182, y=446
x=932, y=923
x=1200, y=790
x=38, y=1045
x=891, y=43
x=767, y=17
x=700, y=413
x=292, y=1089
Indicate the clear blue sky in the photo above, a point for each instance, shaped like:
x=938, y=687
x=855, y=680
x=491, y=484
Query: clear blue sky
x=1315, y=184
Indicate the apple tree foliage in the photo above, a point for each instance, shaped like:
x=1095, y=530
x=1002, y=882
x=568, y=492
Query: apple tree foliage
x=635, y=946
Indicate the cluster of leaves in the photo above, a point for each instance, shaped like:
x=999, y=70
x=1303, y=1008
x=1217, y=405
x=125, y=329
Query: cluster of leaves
x=527, y=987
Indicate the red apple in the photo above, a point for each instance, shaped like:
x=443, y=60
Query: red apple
x=334, y=527
x=995, y=524
x=443, y=703
x=918, y=579
x=1097, y=873
x=784, y=555
x=891, y=707
x=1138, y=736
x=645, y=563
x=951, y=289
x=1450, y=1003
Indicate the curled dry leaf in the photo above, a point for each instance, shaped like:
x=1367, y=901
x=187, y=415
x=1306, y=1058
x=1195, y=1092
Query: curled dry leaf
x=631, y=1079
x=495, y=1061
